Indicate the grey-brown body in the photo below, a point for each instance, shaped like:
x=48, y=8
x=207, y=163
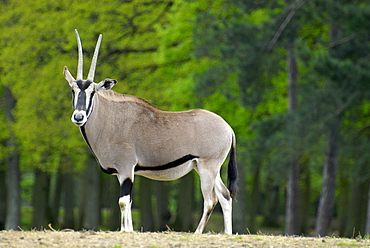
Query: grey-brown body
x=125, y=130
x=129, y=136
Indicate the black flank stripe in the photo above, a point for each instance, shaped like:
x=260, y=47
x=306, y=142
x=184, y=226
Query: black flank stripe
x=109, y=171
x=167, y=166
x=170, y=165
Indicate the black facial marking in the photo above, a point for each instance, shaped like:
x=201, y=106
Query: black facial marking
x=81, y=97
x=91, y=97
x=81, y=100
x=83, y=85
x=126, y=187
x=169, y=165
x=73, y=99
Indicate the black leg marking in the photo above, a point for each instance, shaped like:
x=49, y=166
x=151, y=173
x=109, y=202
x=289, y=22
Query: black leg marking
x=225, y=195
x=169, y=165
x=126, y=188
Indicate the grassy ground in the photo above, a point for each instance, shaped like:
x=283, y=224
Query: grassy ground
x=70, y=238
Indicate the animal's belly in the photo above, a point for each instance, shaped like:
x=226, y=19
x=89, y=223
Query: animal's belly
x=166, y=174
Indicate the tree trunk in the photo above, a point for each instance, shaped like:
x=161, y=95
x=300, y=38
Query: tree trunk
x=115, y=220
x=326, y=205
x=56, y=189
x=163, y=214
x=68, y=199
x=292, y=201
x=304, y=197
x=344, y=186
x=109, y=200
x=367, y=229
x=13, y=178
x=146, y=209
x=255, y=199
x=92, y=213
x=81, y=199
x=40, y=199
x=356, y=217
x=2, y=195
x=239, y=206
x=272, y=204
x=185, y=203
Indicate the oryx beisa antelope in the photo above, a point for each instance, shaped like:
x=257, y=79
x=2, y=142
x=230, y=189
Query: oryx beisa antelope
x=129, y=136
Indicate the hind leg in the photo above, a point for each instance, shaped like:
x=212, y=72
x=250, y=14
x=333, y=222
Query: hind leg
x=225, y=200
x=207, y=182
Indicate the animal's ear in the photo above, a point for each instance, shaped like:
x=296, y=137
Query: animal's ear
x=68, y=75
x=106, y=84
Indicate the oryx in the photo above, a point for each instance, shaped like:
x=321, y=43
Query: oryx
x=129, y=136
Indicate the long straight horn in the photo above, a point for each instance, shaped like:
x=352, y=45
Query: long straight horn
x=94, y=60
x=80, y=58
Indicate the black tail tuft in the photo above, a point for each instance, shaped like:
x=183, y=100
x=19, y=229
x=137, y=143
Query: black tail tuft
x=232, y=171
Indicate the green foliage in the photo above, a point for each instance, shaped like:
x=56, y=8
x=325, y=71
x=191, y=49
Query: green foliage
x=35, y=47
x=228, y=56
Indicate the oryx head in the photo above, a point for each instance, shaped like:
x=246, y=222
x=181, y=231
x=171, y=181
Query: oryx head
x=83, y=90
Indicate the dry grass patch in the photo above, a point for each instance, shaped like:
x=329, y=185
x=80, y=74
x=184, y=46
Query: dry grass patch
x=70, y=238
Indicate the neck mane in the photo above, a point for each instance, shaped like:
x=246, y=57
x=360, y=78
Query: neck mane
x=113, y=96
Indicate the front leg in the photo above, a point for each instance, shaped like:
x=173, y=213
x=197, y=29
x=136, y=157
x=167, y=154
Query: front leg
x=125, y=202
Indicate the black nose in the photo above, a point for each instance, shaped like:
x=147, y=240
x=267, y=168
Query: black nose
x=78, y=117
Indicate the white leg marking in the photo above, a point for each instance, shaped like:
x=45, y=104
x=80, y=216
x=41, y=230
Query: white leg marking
x=225, y=200
x=126, y=219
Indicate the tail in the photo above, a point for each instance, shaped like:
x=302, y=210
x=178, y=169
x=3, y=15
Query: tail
x=232, y=171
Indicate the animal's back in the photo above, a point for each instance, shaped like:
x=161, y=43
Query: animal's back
x=159, y=136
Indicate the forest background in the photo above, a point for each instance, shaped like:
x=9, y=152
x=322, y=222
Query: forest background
x=291, y=77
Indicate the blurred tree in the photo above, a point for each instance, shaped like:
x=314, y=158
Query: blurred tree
x=146, y=206
x=55, y=197
x=254, y=44
x=242, y=69
x=162, y=215
x=292, y=199
x=346, y=73
x=13, y=207
x=40, y=199
x=2, y=195
x=3, y=163
x=367, y=229
x=32, y=48
x=185, y=204
x=91, y=189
